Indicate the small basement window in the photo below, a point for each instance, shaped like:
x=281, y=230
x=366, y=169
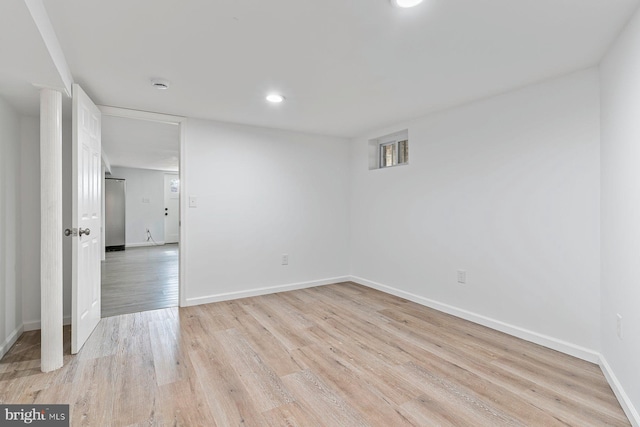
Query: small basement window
x=389, y=150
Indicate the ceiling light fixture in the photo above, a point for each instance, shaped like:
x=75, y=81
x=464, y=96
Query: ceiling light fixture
x=275, y=98
x=405, y=3
x=160, y=84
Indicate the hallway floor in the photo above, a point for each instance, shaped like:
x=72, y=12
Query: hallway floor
x=140, y=279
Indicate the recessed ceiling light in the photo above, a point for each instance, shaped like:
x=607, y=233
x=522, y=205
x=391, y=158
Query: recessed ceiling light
x=275, y=98
x=405, y=3
x=160, y=84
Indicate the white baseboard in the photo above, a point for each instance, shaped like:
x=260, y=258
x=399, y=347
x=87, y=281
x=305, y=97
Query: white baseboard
x=142, y=244
x=535, y=337
x=34, y=325
x=263, y=291
x=11, y=340
x=623, y=398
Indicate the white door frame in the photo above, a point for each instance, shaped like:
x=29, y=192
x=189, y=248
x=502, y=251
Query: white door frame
x=182, y=122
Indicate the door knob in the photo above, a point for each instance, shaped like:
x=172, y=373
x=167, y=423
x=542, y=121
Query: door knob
x=69, y=232
x=85, y=231
x=166, y=214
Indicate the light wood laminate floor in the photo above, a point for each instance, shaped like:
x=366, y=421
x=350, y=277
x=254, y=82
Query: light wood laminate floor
x=338, y=355
x=139, y=279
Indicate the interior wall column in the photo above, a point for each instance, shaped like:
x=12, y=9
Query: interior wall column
x=51, y=226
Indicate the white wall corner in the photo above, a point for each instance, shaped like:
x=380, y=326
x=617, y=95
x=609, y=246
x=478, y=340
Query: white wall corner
x=11, y=340
x=516, y=331
x=105, y=162
x=262, y=291
x=627, y=405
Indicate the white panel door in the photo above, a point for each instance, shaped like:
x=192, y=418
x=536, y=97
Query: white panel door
x=171, y=208
x=87, y=211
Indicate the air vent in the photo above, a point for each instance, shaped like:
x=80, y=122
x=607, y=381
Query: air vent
x=160, y=84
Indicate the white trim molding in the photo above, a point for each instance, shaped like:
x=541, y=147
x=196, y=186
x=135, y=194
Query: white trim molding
x=262, y=291
x=139, y=245
x=34, y=325
x=516, y=331
x=182, y=224
x=182, y=122
x=623, y=398
x=140, y=115
x=11, y=340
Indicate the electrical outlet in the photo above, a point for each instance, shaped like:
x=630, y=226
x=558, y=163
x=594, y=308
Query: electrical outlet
x=462, y=276
x=619, y=325
x=193, y=201
x=285, y=259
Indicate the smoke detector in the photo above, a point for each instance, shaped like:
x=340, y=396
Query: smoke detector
x=160, y=84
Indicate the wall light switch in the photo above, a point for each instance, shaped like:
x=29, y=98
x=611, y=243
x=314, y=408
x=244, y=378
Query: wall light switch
x=285, y=259
x=193, y=201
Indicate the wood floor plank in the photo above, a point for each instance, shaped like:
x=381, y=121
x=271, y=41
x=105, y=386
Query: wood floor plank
x=93, y=402
x=184, y=404
x=470, y=384
x=468, y=408
x=327, y=356
x=424, y=411
x=228, y=400
x=339, y=373
x=257, y=376
x=169, y=359
x=321, y=401
x=291, y=415
x=291, y=338
x=269, y=347
x=372, y=370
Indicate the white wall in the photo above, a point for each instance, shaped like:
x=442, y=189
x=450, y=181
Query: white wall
x=10, y=214
x=30, y=221
x=620, y=85
x=143, y=184
x=262, y=193
x=505, y=188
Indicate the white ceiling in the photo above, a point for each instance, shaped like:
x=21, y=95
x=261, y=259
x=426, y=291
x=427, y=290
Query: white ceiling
x=346, y=67
x=24, y=59
x=141, y=143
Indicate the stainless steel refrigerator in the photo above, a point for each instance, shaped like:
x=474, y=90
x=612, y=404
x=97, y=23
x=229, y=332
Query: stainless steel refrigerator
x=114, y=213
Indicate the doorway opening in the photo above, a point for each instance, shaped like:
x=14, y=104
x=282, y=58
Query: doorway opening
x=142, y=187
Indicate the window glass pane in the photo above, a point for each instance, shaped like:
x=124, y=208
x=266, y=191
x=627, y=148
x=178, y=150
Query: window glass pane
x=388, y=155
x=175, y=186
x=403, y=151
